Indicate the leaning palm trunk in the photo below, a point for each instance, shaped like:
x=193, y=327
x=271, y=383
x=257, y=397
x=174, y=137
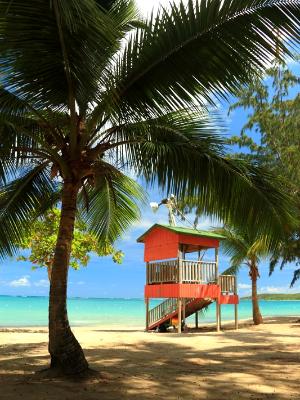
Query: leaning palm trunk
x=66, y=353
x=257, y=317
x=49, y=272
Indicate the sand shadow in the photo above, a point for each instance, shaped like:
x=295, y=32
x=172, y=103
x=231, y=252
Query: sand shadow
x=147, y=369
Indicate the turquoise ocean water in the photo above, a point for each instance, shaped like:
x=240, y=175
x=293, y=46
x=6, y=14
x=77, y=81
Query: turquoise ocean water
x=32, y=311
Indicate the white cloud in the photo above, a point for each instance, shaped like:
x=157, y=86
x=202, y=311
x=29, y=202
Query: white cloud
x=80, y=283
x=24, y=281
x=279, y=289
x=273, y=289
x=244, y=286
x=42, y=283
x=143, y=224
x=126, y=238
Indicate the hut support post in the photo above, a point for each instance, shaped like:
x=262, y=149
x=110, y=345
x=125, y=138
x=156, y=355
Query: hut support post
x=218, y=308
x=217, y=263
x=183, y=313
x=236, y=321
x=218, y=317
x=197, y=320
x=180, y=255
x=179, y=314
x=147, y=314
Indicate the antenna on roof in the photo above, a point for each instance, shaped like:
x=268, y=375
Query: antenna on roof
x=170, y=203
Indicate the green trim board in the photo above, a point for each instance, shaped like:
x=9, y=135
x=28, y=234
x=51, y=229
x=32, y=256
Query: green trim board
x=183, y=231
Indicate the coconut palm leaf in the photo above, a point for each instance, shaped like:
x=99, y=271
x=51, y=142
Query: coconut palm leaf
x=21, y=200
x=216, y=45
x=112, y=205
x=287, y=251
x=182, y=153
x=245, y=247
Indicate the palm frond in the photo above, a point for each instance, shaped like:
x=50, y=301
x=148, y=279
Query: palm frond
x=233, y=269
x=113, y=204
x=21, y=200
x=183, y=128
x=216, y=46
x=295, y=277
x=259, y=247
x=182, y=153
x=53, y=52
x=235, y=246
x=183, y=157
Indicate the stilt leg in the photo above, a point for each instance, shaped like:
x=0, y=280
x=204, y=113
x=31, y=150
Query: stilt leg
x=183, y=314
x=236, y=321
x=218, y=315
x=147, y=315
x=179, y=315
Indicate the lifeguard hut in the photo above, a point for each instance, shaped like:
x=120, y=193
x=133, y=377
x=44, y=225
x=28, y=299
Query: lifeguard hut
x=187, y=285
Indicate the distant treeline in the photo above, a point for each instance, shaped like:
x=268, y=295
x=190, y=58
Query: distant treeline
x=277, y=296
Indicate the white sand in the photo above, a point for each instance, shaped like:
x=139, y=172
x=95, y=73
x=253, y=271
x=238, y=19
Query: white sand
x=261, y=363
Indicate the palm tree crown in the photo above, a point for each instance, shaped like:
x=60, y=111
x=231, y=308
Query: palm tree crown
x=245, y=249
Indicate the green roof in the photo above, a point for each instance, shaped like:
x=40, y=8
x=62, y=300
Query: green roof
x=182, y=231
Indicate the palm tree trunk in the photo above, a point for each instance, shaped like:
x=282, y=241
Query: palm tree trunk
x=49, y=272
x=66, y=353
x=254, y=274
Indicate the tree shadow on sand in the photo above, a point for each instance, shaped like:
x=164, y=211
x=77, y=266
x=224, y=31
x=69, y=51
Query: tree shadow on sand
x=170, y=369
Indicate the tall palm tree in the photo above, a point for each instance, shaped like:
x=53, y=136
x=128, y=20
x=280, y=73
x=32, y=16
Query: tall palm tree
x=90, y=92
x=245, y=249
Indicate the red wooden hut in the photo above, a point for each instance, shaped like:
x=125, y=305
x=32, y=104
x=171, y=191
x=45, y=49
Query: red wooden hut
x=187, y=285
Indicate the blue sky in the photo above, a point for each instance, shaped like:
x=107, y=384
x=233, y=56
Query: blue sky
x=103, y=278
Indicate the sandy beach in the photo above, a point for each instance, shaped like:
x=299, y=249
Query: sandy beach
x=258, y=363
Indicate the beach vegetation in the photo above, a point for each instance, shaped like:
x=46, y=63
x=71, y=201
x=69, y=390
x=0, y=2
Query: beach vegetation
x=90, y=93
x=273, y=103
x=245, y=250
x=41, y=242
x=276, y=296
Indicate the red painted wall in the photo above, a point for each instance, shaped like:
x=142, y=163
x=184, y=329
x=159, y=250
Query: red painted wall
x=187, y=290
x=229, y=299
x=162, y=244
x=199, y=241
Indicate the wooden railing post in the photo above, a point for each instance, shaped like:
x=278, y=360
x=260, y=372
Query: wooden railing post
x=179, y=299
x=147, y=273
x=179, y=270
x=217, y=263
x=147, y=314
x=179, y=314
x=183, y=313
x=218, y=316
x=236, y=321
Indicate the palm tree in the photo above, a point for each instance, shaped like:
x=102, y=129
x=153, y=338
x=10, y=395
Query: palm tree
x=247, y=249
x=90, y=92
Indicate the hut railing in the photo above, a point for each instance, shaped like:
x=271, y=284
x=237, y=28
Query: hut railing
x=167, y=307
x=227, y=283
x=183, y=271
x=198, y=271
x=162, y=271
